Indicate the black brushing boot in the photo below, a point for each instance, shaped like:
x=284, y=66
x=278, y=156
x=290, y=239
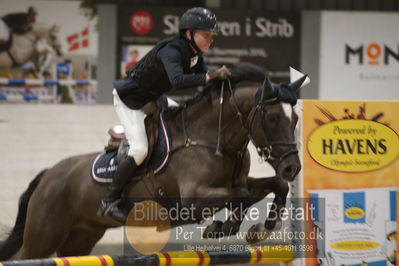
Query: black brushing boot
x=109, y=204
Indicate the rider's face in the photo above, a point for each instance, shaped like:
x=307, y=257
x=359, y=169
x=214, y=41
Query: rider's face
x=203, y=39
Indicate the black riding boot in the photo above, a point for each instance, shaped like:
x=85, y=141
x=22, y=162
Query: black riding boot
x=109, y=204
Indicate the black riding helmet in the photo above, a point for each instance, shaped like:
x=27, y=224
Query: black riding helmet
x=197, y=18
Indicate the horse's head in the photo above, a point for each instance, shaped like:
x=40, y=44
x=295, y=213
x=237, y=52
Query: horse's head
x=272, y=125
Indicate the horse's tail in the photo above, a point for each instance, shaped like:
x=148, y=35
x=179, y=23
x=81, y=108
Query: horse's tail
x=14, y=241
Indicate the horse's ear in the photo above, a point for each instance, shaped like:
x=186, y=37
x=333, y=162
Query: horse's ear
x=295, y=85
x=267, y=89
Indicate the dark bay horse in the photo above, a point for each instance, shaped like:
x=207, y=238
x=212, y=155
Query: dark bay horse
x=57, y=213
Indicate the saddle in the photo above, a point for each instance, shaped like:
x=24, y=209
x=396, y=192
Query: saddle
x=159, y=144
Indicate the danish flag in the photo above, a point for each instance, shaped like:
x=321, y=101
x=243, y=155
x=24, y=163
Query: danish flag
x=79, y=40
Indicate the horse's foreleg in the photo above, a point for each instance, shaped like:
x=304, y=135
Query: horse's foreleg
x=280, y=190
x=238, y=208
x=206, y=197
x=260, y=188
x=242, y=201
x=238, y=204
x=214, y=192
x=205, y=200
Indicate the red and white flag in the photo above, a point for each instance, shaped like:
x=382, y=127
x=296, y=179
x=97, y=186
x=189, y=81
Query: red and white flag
x=79, y=40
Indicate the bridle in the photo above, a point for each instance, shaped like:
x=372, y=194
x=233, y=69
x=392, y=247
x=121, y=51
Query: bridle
x=265, y=152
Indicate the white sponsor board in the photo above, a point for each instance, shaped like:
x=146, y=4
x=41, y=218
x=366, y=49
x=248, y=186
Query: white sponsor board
x=359, y=55
x=359, y=224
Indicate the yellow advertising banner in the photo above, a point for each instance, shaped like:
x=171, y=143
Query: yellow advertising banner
x=350, y=159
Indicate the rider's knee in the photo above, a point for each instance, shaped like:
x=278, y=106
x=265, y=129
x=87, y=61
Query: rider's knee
x=139, y=153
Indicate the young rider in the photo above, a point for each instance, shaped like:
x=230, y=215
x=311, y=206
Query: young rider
x=174, y=63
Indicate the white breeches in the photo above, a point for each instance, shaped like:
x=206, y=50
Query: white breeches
x=133, y=124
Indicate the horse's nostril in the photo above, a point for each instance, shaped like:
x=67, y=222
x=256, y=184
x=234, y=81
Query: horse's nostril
x=288, y=170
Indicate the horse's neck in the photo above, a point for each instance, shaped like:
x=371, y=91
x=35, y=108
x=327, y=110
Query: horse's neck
x=203, y=117
x=240, y=106
x=245, y=98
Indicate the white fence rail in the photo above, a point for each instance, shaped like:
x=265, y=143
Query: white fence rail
x=14, y=90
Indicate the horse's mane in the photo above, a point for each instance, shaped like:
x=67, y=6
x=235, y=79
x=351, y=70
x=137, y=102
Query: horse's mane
x=241, y=72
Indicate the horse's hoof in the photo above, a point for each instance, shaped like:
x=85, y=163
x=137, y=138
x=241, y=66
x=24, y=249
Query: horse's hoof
x=256, y=233
x=230, y=228
x=213, y=230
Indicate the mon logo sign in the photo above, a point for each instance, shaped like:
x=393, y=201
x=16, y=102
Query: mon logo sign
x=371, y=54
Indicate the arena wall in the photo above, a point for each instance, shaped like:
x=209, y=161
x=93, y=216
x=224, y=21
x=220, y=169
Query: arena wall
x=34, y=137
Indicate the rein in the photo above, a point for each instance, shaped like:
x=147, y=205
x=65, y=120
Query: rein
x=265, y=153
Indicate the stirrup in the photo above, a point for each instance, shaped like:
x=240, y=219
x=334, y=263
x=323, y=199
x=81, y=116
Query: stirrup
x=105, y=207
x=111, y=210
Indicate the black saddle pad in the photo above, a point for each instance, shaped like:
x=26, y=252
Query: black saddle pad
x=104, y=166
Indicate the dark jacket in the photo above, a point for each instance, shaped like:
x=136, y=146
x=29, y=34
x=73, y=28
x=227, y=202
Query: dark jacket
x=164, y=67
x=18, y=22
